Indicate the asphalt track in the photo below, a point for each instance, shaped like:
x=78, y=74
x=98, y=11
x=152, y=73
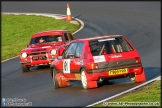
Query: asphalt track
x=138, y=21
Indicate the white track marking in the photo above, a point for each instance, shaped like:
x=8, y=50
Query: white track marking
x=9, y=59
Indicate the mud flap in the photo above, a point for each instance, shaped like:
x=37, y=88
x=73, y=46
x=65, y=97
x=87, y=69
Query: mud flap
x=92, y=84
x=140, y=77
x=61, y=81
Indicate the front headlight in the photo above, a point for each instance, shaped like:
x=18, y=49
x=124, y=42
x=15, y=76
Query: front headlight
x=53, y=51
x=24, y=55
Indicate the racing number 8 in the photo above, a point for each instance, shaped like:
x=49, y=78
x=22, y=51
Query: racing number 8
x=65, y=66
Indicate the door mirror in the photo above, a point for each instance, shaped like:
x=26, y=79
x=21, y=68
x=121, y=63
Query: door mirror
x=70, y=55
x=26, y=45
x=59, y=57
x=77, y=55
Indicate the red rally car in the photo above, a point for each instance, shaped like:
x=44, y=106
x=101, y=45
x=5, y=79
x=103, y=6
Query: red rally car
x=43, y=48
x=97, y=59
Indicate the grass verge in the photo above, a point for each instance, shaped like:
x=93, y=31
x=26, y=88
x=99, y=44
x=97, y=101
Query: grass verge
x=148, y=96
x=18, y=29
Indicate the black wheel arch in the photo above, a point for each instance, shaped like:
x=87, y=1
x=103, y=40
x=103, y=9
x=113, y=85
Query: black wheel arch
x=83, y=67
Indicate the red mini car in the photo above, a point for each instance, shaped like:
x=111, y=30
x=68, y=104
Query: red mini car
x=43, y=48
x=97, y=59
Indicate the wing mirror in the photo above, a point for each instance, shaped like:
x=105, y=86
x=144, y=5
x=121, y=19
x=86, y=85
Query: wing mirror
x=77, y=55
x=59, y=57
x=70, y=55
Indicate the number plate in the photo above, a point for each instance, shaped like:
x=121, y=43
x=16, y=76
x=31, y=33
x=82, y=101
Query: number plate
x=35, y=58
x=118, y=71
x=41, y=58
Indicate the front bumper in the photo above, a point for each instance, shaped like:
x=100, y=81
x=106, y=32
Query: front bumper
x=30, y=62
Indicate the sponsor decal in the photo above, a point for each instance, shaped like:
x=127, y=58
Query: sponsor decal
x=99, y=59
x=79, y=62
x=116, y=56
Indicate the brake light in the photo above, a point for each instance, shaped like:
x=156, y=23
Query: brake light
x=138, y=60
x=94, y=66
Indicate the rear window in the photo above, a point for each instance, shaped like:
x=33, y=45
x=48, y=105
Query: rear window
x=109, y=46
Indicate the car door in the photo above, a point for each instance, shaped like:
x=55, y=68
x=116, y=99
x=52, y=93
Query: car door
x=76, y=62
x=68, y=56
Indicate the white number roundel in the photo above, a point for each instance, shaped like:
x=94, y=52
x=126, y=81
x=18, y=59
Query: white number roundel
x=66, y=66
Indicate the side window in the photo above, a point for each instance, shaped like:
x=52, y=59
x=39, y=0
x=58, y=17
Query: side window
x=70, y=36
x=70, y=51
x=79, y=49
x=66, y=37
x=95, y=48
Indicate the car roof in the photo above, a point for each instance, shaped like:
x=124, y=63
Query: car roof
x=49, y=32
x=98, y=37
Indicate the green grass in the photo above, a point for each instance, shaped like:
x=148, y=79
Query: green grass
x=149, y=93
x=18, y=29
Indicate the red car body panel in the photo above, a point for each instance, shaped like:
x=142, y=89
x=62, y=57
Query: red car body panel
x=46, y=33
x=39, y=54
x=102, y=66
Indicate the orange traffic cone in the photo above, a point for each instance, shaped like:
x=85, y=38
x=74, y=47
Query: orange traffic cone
x=68, y=16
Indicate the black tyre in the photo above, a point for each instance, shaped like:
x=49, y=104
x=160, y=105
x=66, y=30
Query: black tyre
x=84, y=79
x=105, y=81
x=56, y=85
x=24, y=68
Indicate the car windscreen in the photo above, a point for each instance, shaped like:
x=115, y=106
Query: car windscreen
x=55, y=38
x=109, y=46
